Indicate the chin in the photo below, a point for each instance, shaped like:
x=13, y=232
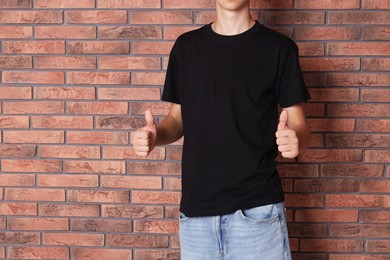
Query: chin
x=232, y=5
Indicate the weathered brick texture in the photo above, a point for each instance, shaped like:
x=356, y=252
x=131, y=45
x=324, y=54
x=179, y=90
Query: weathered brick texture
x=76, y=77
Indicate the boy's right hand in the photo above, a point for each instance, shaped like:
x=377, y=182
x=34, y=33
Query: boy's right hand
x=144, y=139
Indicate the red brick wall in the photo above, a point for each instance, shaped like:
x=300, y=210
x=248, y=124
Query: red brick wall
x=77, y=76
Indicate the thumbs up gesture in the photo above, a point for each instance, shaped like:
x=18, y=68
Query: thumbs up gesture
x=144, y=139
x=286, y=138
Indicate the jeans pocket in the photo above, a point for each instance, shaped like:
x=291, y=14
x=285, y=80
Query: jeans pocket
x=182, y=217
x=265, y=214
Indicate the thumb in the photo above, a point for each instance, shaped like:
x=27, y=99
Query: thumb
x=283, y=119
x=149, y=118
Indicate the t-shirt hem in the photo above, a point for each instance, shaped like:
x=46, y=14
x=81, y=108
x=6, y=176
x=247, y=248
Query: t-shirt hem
x=263, y=201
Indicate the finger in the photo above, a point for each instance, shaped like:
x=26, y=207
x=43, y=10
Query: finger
x=149, y=118
x=283, y=119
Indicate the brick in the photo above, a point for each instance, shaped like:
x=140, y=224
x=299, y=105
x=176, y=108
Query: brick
x=31, y=165
x=96, y=253
x=357, y=257
x=104, y=167
x=65, y=32
x=161, y=17
x=95, y=17
x=359, y=230
x=33, y=194
x=101, y=47
x=34, y=137
x=28, y=238
x=132, y=211
x=135, y=240
x=75, y=137
x=64, y=92
x=352, y=170
x=33, y=107
x=307, y=230
x=148, y=78
x=97, y=107
x=73, y=239
x=98, y=78
x=175, y=184
x=151, y=47
x=329, y=64
x=156, y=197
x=358, y=79
x=15, y=4
x=328, y=33
x=156, y=226
x=311, y=49
x=171, y=33
x=18, y=151
x=327, y=4
x=157, y=108
x=165, y=168
x=18, y=209
x=357, y=200
x=71, y=210
x=67, y=180
x=37, y=224
x=358, y=110
x=60, y=122
x=375, y=4
x=373, y=125
x=374, y=186
x=17, y=180
x=30, y=17
x=64, y=3
x=26, y=252
x=129, y=94
x=131, y=182
x=331, y=245
x=130, y=32
x=358, y=17
x=325, y=215
x=377, y=156
x=119, y=122
x=129, y=4
x=328, y=186
x=374, y=64
x=334, y=94
x=304, y=200
x=8, y=92
x=100, y=196
x=15, y=31
x=182, y=4
x=101, y=225
x=111, y=152
x=74, y=62
x=375, y=95
x=132, y=63
x=374, y=216
x=34, y=47
x=331, y=155
x=14, y=122
x=357, y=140
x=37, y=77
x=69, y=151
x=291, y=170
x=157, y=254
x=378, y=246
x=359, y=48
x=376, y=33
x=9, y=62
x=293, y=17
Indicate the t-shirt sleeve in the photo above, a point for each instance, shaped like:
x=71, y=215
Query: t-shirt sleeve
x=171, y=90
x=290, y=86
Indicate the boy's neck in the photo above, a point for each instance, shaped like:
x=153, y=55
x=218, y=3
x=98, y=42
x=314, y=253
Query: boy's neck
x=232, y=22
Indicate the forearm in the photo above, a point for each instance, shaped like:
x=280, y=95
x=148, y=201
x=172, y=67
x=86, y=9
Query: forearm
x=168, y=131
x=304, y=136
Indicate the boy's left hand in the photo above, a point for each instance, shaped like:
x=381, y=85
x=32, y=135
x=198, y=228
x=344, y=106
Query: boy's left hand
x=286, y=138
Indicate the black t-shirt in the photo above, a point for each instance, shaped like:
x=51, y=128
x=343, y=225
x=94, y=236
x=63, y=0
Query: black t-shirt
x=229, y=87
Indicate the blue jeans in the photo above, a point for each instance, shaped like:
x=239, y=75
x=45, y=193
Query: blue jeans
x=258, y=233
